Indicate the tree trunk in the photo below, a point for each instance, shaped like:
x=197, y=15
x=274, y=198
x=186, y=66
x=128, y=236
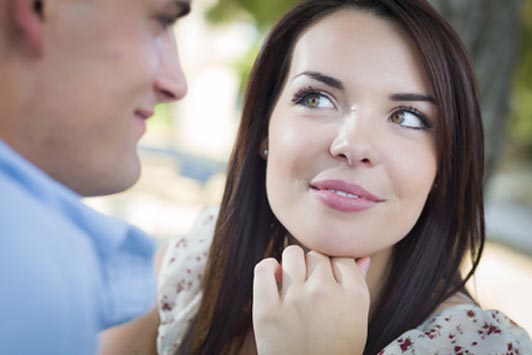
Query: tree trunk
x=491, y=31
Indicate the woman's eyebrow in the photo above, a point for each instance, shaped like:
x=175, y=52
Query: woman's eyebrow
x=326, y=79
x=412, y=97
x=337, y=84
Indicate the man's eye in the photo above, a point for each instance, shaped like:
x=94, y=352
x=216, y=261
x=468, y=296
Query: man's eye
x=166, y=21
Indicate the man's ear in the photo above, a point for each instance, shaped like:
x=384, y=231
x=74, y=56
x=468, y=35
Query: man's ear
x=28, y=20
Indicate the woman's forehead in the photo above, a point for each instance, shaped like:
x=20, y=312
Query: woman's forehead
x=359, y=47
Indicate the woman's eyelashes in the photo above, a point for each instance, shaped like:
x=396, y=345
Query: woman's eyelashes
x=312, y=98
x=404, y=116
x=410, y=117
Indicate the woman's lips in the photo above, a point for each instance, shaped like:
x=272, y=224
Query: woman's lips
x=343, y=196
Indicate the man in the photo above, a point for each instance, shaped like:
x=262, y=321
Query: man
x=78, y=80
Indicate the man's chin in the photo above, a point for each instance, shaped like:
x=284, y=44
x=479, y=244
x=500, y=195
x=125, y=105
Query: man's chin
x=112, y=182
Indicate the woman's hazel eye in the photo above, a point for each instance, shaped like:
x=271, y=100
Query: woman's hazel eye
x=317, y=101
x=397, y=117
x=407, y=119
x=313, y=100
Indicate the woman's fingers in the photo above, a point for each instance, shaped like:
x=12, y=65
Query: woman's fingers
x=344, y=269
x=350, y=274
x=299, y=269
x=294, y=268
x=265, y=290
x=323, y=307
x=319, y=267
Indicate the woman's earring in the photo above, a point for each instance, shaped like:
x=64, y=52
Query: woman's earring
x=263, y=149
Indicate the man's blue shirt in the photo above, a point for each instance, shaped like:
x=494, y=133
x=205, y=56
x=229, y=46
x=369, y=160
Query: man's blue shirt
x=66, y=271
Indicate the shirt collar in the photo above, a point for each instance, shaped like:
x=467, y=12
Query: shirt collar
x=108, y=232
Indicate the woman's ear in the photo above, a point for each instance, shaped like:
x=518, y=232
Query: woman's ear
x=27, y=20
x=263, y=149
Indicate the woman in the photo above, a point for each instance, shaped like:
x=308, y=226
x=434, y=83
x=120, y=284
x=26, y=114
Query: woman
x=361, y=139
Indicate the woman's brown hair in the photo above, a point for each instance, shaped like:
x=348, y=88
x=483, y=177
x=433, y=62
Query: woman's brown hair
x=425, y=266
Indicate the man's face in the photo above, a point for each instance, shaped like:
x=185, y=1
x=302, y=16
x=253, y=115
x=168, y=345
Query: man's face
x=105, y=65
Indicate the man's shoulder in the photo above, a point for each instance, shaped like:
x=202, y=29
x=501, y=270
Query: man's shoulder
x=23, y=212
x=48, y=276
x=40, y=243
x=36, y=236
x=51, y=236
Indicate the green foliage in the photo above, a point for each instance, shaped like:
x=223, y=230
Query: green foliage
x=244, y=65
x=521, y=124
x=262, y=12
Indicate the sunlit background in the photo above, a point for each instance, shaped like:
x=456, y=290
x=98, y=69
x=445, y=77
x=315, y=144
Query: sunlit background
x=187, y=145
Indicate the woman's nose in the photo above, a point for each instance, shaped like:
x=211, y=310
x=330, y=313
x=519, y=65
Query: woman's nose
x=353, y=142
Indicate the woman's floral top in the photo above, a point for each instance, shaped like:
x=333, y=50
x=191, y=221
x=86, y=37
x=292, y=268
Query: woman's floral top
x=459, y=330
x=463, y=330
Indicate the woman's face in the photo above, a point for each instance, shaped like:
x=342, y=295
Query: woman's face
x=352, y=153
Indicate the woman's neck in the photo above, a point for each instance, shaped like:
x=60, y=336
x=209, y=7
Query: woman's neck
x=377, y=274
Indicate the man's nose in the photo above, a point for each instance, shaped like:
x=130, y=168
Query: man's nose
x=170, y=84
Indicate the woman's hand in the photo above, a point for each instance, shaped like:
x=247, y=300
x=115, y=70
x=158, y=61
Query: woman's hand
x=321, y=307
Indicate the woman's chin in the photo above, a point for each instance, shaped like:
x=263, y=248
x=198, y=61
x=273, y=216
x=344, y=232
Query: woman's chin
x=326, y=248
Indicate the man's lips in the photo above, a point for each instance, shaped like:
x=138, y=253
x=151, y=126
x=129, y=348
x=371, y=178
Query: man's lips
x=345, y=189
x=143, y=113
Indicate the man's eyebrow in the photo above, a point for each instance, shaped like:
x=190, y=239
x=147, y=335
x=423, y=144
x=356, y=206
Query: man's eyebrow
x=326, y=79
x=412, y=97
x=182, y=7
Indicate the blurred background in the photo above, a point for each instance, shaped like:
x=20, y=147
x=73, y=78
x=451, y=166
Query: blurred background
x=185, y=151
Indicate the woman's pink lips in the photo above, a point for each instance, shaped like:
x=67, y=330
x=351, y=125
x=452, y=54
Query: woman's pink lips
x=343, y=196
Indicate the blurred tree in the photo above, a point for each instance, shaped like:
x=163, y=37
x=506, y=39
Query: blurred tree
x=521, y=125
x=263, y=13
x=490, y=29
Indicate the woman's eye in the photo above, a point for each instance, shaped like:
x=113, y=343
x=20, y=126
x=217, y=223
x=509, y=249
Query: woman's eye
x=316, y=100
x=409, y=119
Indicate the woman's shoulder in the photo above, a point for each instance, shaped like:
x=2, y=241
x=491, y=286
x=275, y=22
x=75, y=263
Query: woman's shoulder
x=188, y=251
x=463, y=329
x=185, y=259
x=179, y=280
